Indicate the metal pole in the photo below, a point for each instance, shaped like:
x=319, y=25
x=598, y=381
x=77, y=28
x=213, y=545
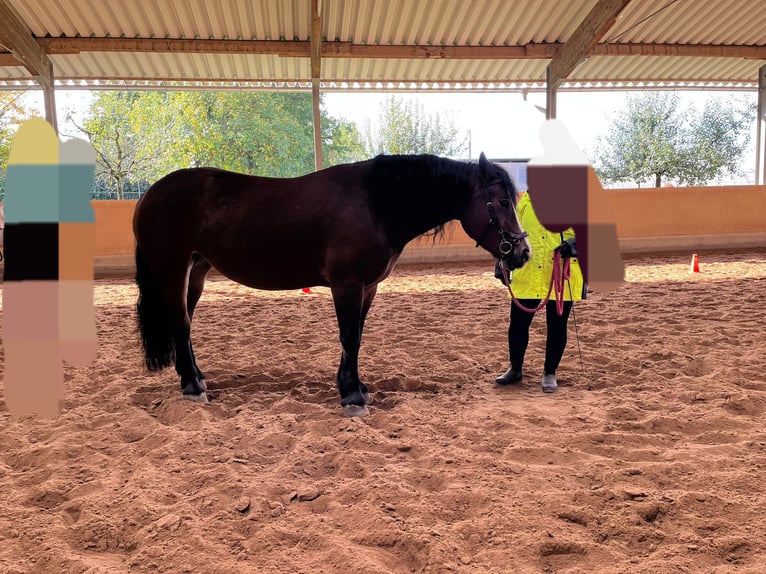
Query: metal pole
x=316, y=74
x=760, y=138
x=317, y=124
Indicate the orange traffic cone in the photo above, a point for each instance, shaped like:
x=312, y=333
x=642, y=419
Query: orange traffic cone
x=694, y=267
x=308, y=289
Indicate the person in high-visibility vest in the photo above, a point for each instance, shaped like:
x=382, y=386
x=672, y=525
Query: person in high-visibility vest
x=530, y=285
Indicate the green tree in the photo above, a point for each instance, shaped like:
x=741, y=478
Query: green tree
x=405, y=128
x=263, y=133
x=342, y=142
x=121, y=155
x=141, y=136
x=654, y=139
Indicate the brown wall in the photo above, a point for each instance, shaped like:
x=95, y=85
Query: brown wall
x=689, y=211
x=114, y=226
x=655, y=219
x=647, y=220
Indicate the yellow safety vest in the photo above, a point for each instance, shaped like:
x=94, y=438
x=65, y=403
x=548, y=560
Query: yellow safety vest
x=532, y=280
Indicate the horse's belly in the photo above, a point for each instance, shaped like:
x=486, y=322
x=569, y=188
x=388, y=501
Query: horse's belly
x=286, y=270
x=268, y=270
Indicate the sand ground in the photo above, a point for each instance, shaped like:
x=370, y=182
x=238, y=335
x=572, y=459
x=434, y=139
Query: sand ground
x=651, y=458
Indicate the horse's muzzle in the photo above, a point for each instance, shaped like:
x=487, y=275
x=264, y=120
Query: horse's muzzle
x=517, y=259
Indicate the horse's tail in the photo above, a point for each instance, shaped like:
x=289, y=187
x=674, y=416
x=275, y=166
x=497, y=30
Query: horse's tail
x=154, y=322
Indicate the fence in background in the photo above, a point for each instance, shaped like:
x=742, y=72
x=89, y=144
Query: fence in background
x=647, y=220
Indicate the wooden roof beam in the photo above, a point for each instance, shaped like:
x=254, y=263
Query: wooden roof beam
x=334, y=49
x=294, y=48
x=689, y=50
x=585, y=37
x=316, y=38
x=287, y=48
x=17, y=38
x=7, y=60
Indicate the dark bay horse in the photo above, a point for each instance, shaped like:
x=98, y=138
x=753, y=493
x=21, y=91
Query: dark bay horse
x=343, y=227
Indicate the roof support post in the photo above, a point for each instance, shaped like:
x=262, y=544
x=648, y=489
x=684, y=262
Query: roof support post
x=17, y=37
x=317, y=124
x=760, y=143
x=550, y=96
x=316, y=74
x=49, y=102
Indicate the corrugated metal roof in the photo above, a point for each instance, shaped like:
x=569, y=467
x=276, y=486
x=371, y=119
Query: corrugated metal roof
x=634, y=70
x=381, y=23
x=725, y=22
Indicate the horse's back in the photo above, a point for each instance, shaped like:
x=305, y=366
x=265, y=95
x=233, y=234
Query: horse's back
x=271, y=233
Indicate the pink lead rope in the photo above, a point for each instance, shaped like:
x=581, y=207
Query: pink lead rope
x=560, y=274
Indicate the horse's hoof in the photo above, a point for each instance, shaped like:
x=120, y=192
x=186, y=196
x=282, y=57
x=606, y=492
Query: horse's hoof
x=200, y=398
x=368, y=400
x=355, y=410
x=194, y=388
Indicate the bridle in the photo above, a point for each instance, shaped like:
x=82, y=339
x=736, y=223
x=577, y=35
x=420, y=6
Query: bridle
x=508, y=240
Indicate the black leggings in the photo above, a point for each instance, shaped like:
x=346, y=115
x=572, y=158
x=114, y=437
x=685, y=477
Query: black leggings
x=556, y=340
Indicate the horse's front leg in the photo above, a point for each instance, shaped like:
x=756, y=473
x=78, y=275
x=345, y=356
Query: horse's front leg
x=369, y=295
x=348, y=301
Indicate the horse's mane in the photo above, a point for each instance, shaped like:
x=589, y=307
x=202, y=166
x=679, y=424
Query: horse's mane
x=400, y=182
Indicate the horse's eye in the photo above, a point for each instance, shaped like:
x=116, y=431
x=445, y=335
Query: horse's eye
x=504, y=203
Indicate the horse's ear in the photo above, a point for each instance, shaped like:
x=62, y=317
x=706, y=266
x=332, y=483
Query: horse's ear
x=485, y=167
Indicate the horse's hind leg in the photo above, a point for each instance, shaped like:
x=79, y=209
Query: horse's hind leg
x=199, y=270
x=175, y=287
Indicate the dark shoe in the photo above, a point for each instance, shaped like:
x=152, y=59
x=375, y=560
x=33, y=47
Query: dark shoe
x=509, y=377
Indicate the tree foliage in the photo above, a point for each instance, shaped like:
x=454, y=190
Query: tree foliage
x=405, y=128
x=121, y=155
x=141, y=136
x=655, y=140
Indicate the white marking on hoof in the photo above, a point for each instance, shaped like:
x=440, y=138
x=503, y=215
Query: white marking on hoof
x=203, y=384
x=200, y=398
x=355, y=410
x=368, y=400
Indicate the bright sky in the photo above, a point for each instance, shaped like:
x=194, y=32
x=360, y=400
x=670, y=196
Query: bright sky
x=503, y=126
x=506, y=126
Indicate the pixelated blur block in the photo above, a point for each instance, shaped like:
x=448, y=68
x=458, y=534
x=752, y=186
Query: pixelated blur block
x=607, y=270
x=567, y=193
x=31, y=252
x=77, y=250
x=77, y=323
x=33, y=377
x=30, y=322
x=78, y=163
x=560, y=195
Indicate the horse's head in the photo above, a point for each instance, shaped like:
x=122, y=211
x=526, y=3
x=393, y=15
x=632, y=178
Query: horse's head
x=491, y=216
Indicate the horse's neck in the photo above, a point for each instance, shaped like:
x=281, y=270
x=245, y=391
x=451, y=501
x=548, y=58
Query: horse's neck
x=428, y=208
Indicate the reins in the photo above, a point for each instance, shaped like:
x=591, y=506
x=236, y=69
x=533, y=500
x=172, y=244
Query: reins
x=561, y=273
